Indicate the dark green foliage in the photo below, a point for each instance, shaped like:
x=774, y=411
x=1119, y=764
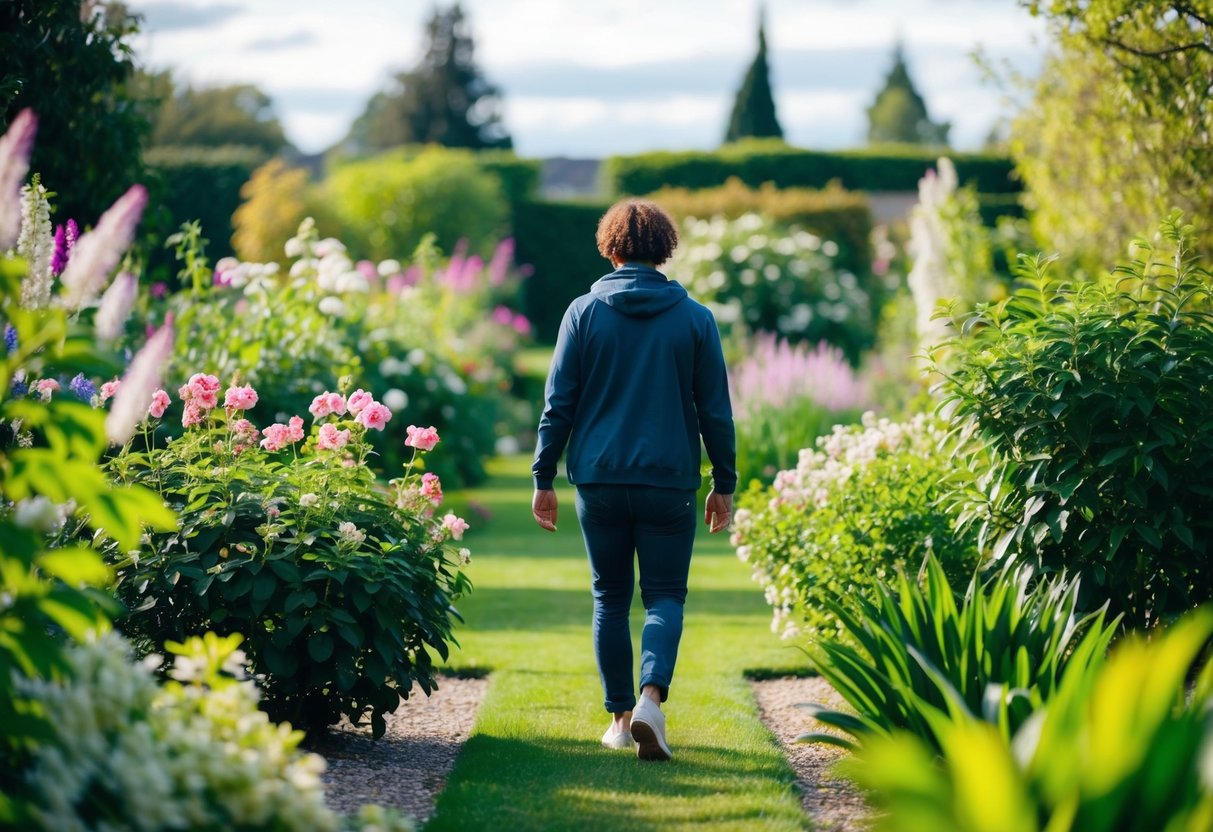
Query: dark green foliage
x=1096, y=398
x=788, y=167
x=753, y=113
x=899, y=114
x=519, y=177
x=1000, y=653
x=198, y=183
x=332, y=627
x=557, y=240
x=74, y=74
x=444, y=99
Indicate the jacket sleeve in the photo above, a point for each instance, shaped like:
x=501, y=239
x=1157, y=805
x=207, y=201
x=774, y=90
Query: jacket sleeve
x=714, y=410
x=561, y=393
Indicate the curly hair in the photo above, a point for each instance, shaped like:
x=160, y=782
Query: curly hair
x=637, y=231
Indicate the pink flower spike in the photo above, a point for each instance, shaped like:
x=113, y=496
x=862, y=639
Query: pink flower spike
x=16, y=145
x=374, y=415
x=160, y=403
x=116, y=305
x=97, y=253
x=499, y=266
x=423, y=439
x=455, y=525
x=239, y=398
x=358, y=400
x=331, y=439
x=136, y=394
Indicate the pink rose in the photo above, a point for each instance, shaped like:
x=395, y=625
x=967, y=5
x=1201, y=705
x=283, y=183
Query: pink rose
x=109, y=389
x=336, y=403
x=503, y=316
x=46, y=387
x=431, y=488
x=331, y=439
x=193, y=415
x=521, y=325
x=272, y=512
x=423, y=439
x=358, y=400
x=294, y=428
x=276, y=437
x=327, y=403
x=240, y=398
x=160, y=403
x=455, y=525
x=374, y=415
x=244, y=431
x=201, y=390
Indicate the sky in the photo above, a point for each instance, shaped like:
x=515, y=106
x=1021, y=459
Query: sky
x=589, y=78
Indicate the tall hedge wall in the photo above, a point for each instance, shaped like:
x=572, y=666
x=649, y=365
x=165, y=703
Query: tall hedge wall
x=788, y=167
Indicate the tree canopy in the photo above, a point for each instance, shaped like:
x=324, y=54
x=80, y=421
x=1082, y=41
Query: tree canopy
x=753, y=114
x=445, y=99
x=899, y=113
x=71, y=62
x=188, y=116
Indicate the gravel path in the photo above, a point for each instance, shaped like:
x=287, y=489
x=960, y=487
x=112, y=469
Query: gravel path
x=407, y=767
x=833, y=803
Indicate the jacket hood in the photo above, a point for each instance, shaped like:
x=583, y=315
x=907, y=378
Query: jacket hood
x=638, y=291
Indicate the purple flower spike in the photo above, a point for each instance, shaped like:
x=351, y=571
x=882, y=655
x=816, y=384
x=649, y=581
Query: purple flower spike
x=15, y=148
x=98, y=252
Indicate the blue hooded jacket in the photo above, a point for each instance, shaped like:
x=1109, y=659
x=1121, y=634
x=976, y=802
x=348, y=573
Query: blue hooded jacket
x=637, y=377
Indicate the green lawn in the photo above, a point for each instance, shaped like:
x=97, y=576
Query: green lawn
x=534, y=762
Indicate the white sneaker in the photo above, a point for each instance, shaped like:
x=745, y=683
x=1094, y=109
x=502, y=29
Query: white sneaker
x=648, y=729
x=617, y=739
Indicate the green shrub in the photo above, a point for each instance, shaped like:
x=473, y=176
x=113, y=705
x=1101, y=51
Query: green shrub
x=830, y=213
x=198, y=184
x=390, y=202
x=556, y=239
x=756, y=276
x=1095, y=399
x=519, y=177
x=876, y=169
x=865, y=501
x=341, y=588
x=127, y=753
x=1123, y=748
x=1001, y=653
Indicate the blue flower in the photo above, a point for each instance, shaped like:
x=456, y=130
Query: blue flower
x=10, y=338
x=19, y=387
x=83, y=388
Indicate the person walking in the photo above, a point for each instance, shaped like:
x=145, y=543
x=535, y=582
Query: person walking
x=637, y=377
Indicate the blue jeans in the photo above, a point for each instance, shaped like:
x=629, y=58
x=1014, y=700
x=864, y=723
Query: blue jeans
x=623, y=524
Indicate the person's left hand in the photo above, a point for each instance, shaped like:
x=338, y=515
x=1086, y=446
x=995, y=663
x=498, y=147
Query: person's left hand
x=543, y=509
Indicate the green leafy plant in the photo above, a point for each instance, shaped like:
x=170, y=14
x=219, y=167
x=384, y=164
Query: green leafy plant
x=864, y=501
x=342, y=588
x=1094, y=400
x=1123, y=748
x=913, y=651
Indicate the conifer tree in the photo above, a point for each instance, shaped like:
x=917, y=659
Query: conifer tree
x=444, y=100
x=899, y=113
x=754, y=108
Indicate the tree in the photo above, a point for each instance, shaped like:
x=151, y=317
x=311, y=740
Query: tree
x=444, y=100
x=188, y=116
x=899, y=113
x=71, y=62
x=1118, y=132
x=754, y=108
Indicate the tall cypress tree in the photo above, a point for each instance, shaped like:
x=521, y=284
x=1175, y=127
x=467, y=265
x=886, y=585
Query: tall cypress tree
x=899, y=113
x=754, y=108
x=444, y=100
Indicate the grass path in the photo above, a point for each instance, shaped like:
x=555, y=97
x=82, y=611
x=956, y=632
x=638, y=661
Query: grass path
x=534, y=762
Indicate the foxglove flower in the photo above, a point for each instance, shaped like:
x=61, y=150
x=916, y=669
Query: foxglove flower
x=141, y=381
x=15, y=148
x=65, y=241
x=116, y=305
x=98, y=251
x=35, y=244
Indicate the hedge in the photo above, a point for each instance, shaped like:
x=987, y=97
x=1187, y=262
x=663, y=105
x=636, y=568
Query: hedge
x=557, y=240
x=831, y=213
x=897, y=169
x=519, y=177
x=198, y=183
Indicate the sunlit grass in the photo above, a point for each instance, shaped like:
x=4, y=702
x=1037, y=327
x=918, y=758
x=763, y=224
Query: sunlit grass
x=533, y=761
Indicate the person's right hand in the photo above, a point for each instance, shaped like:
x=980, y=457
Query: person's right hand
x=543, y=508
x=718, y=512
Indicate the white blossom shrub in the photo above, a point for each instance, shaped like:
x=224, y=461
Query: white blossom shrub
x=857, y=506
